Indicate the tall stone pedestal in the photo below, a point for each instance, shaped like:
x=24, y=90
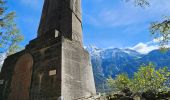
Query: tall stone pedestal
x=54, y=65
x=46, y=71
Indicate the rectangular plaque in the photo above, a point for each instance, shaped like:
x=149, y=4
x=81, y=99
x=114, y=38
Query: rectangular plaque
x=52, y=72
x=56, y=33
x=1, y=82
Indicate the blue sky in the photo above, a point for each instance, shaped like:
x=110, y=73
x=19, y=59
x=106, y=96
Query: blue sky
x=106, y=23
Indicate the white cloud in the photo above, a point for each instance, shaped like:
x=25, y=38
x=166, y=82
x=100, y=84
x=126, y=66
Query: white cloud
x=128, y=14
x=157, y=40
x=144, y=48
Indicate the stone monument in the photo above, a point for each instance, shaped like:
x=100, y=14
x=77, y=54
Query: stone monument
x=55, y=64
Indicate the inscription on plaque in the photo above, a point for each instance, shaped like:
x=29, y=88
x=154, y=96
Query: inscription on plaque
x=52, y=72
x=1, y=82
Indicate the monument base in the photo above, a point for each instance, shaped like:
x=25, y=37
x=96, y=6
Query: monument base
x=46, y=71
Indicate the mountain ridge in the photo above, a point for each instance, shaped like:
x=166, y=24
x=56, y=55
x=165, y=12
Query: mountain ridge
x=113, y=61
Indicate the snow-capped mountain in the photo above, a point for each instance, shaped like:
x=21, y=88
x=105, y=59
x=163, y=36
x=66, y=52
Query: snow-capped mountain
x=93, y=50
x=113, y=61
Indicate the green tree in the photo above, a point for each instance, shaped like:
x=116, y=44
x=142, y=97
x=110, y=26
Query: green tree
x=10, y=36
x=142, y=3
x=147, y=78
x=119, y=83
x=159, y=29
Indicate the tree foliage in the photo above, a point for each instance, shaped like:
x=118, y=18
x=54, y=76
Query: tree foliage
x=160, y=29
x=142, y=3
x=147, y=78
x=122, y=81
x=10, y=36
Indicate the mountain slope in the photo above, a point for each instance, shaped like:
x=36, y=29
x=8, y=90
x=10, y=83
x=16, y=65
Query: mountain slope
x=111, y=62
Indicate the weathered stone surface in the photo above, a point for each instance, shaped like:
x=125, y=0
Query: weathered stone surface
x=64, y=16
x=45, y=86
x=6, y=75
x=77, y=75
x=73, y=78
x=21, y=78
x=61, y=68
